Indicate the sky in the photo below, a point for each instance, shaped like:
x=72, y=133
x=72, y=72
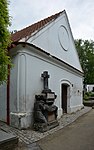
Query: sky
x=80, y=14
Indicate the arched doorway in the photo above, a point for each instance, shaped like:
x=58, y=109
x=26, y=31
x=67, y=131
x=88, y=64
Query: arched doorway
x=64, y=89
x=65, y=96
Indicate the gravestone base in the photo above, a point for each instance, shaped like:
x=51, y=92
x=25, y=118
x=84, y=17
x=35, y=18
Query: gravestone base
x=43, y=127
x=52, y=124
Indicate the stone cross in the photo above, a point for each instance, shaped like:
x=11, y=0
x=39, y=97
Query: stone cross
x=45, y=76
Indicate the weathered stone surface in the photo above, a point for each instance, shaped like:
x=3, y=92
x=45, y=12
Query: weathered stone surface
x=8, y=141
x=45, y=111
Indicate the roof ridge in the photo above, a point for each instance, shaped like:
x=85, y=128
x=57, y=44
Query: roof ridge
x=27, y=31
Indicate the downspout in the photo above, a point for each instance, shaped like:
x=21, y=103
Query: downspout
x=8, y=96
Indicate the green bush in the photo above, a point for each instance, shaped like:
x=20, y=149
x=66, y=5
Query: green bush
x=87, y=95
x=92, y=94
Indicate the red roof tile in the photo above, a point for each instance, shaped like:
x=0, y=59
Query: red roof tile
x=26, y=32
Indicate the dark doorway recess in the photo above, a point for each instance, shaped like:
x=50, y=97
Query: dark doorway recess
x=64, y=89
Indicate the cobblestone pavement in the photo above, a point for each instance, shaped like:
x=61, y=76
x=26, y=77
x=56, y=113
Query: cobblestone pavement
x=28, y=138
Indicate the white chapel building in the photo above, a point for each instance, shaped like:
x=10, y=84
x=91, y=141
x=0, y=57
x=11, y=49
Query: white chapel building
x=47, y=45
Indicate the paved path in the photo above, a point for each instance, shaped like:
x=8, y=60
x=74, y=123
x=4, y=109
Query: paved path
x=28, y=138
x=76, y=136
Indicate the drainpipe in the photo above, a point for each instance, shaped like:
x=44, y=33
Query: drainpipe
x=8, y=96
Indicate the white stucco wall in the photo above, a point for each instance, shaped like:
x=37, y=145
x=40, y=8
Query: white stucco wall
x=31, y=64
x=3, y=102
x=13, y=84
x=56, y=36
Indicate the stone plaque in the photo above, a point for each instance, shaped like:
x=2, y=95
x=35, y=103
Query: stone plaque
x=51, y=117
x=50, y=96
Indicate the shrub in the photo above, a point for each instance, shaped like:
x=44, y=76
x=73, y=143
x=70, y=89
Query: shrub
x=87, y=95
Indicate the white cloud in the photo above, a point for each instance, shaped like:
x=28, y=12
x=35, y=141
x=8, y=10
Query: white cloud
x=80, y=14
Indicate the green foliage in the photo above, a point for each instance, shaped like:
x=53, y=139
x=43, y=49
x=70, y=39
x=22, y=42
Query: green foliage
x=4, y=40
x=87, y=95
x=92, y=94
x=85, y=50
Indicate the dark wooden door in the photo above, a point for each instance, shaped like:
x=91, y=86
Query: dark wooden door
x=64, y=98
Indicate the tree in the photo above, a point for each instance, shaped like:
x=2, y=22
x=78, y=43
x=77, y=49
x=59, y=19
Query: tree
x=85, y=50
x=4, y=40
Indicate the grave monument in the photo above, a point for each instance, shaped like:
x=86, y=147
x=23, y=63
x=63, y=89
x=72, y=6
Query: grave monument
x=45, y=112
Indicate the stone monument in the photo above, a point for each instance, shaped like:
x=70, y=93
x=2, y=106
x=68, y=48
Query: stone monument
x=45, y=112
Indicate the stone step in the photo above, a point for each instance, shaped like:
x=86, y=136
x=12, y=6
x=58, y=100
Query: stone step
x=91, y=98
x=89, y=103
x=53, y=124
x=8, y=141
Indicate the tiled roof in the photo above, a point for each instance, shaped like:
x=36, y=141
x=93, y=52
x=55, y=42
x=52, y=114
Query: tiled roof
x=26, y=32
